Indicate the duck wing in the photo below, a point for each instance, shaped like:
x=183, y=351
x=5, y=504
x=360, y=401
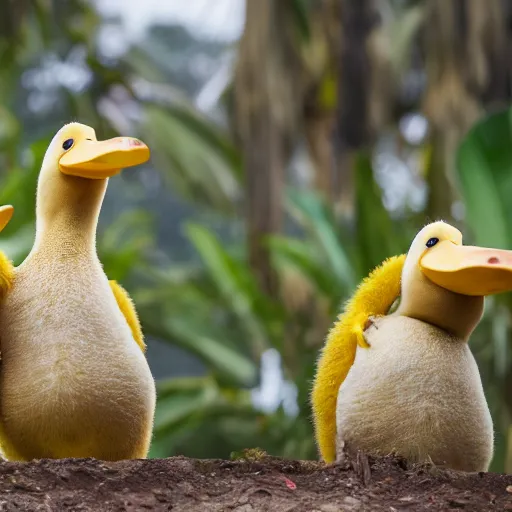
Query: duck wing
x=127, y=307
x=374, y=296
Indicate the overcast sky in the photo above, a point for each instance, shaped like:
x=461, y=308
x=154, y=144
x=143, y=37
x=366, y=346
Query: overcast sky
x=219, y=19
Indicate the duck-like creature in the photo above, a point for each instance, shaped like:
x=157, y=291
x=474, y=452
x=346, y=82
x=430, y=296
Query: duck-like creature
x=407, y=382
x=74, y=380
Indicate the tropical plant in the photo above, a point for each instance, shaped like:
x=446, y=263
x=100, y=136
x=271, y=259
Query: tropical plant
x=221, y=314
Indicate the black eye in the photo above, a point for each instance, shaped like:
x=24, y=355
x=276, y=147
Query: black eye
x=431, y=242
x=67, y=144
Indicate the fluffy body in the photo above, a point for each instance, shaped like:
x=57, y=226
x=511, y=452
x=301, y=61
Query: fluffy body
x=74, y=382
x=407, y=383
x=416, y=392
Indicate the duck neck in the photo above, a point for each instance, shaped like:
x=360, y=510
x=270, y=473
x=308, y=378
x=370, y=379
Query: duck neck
x=454, y=313
x=67, y=217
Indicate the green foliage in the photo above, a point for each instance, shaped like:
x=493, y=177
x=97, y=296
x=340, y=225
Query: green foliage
x=484, y=164
x=247, y=322
x=198, y=159
x=315, y=217
x=484, y=161
x=374, y=225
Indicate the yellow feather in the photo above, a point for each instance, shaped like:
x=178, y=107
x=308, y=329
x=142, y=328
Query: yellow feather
x=374, y=296
x=6, y=275
x=128, y=309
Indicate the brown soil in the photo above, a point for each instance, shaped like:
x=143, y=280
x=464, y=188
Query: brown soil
x=181, y=484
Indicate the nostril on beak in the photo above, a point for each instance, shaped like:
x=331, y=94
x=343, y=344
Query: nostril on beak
x=493, y=260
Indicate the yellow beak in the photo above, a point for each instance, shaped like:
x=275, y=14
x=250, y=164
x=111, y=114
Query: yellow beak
x=468, y=270
x=6, y=212
x=102, y=159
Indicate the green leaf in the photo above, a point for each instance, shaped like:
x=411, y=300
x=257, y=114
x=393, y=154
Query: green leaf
x=175, y=407
x=300, y=255
x=378, y=237
x=313, y=214
x=200, y=340
x=210, y=134
x=181, y=384
x=201, y=163
x=121, y=246
x=301, y=14
x=484, y=165
x=234, y=282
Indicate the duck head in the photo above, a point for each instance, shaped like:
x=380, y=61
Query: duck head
x=81, y=154
x=75, y=172
x=444, y=282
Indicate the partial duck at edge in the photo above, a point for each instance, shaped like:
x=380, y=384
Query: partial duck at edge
x=74, y=380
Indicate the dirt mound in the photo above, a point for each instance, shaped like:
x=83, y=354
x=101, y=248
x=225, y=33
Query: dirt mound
x=181, y=484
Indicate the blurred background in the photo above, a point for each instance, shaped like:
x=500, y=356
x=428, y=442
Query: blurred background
x=295, y=145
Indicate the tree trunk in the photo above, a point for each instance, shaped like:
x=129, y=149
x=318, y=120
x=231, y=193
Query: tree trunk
x=267, y=106
x=464, y=42
x=359, y=100
x=322, y=61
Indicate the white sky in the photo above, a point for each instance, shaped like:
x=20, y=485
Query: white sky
x=219, y=19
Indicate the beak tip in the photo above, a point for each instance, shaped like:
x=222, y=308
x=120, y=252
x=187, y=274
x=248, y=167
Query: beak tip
x=136, y=142
x=137, y=147
x=7, y=209
x=6, y=213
